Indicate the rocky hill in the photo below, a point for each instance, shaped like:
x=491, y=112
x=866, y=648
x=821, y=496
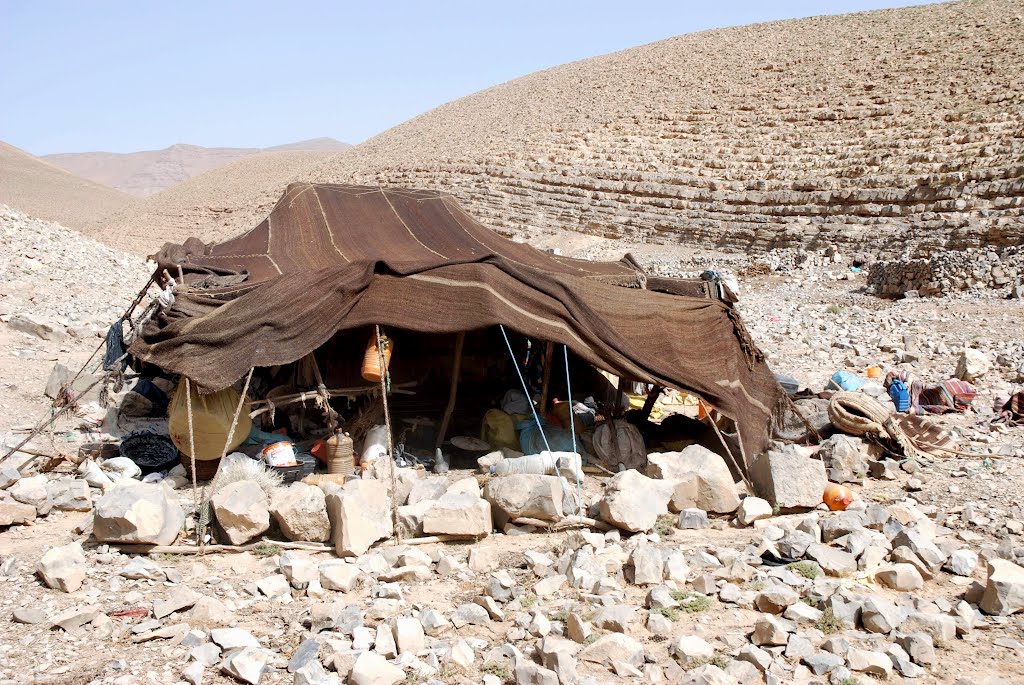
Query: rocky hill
x=144, y=173
x=56, y=282
x=214, y=205
x=884, y=129
x=42, y=190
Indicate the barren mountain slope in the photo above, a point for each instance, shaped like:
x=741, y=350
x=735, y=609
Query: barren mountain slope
x=205, y=205
x=883, y=129
x=313, y=145
x=148, y=172
x=42, y=190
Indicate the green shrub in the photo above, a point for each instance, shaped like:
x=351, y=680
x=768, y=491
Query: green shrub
x=807, y=569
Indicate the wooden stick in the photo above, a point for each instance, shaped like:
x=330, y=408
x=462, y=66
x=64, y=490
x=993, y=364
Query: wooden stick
x=50, y=421
x=439, y=538
x=396, y=389
x=721, y=438
x=561, y=525
x=652, y=399
x=545, y=385
x=460, y=341
x=189, y=549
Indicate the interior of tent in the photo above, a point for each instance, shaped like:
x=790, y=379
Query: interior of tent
x=457, y=397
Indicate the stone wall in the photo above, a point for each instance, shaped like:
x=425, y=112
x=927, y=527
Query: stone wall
x=949, y=272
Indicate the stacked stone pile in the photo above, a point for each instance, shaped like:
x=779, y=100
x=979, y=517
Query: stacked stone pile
x=949, y=272
x=584, y=608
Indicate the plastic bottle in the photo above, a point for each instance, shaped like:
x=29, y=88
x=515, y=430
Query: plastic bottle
x=374, y=447
x=837, y=497
x=440, y=462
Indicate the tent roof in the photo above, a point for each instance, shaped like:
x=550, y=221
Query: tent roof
x=334, y=257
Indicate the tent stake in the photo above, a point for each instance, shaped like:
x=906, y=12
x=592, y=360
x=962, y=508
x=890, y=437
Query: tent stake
x=460, y=342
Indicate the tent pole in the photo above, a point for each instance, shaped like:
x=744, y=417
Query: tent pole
x=460, y=341
x=385, y=380
x=732, y=457
x=652, y=399
x=545, y=386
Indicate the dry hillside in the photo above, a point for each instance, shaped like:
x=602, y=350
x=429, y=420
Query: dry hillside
x=207, y=205
x=42, y=190
x=882, y=129
x=148, y=172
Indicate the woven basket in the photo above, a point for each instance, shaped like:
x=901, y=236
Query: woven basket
x=206, y=469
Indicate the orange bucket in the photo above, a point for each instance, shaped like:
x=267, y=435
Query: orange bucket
x=874, y=372
x=371, y=359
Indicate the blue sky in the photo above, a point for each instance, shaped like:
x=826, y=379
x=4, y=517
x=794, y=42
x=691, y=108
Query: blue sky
x=125, y=76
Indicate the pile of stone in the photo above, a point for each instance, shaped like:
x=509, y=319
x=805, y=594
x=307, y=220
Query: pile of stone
x=55, y=282
x=606, y=602
x=22, y=500
x=946, y=272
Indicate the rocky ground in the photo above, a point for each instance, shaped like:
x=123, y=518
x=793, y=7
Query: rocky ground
x=918, y=582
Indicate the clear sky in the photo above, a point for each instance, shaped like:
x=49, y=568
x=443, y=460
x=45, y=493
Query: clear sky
x=124, y=76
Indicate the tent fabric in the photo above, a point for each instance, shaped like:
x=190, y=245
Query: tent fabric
x=331, y=258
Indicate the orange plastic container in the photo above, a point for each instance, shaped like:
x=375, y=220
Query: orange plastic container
x=874, y=372
x=371, y=359
x=837, y=497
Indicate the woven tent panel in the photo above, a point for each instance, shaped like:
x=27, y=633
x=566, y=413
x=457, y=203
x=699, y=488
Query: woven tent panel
x=332, y=258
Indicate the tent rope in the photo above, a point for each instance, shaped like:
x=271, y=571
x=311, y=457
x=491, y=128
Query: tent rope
x=192, y=458
x=572, y=424
x=526, y=391
x=536, y=417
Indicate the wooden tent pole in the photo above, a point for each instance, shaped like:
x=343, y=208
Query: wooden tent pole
x=652, y=399
x=460, y=342
x=545, y=386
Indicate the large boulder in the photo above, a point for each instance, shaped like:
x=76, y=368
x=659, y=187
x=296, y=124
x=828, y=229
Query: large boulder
x=613, y=647
x=242, y=511
x=788, y=479
x=813, y=411
x=972, y=365
x=360, y=514
x=15, y=513
x=633, y=502
x=845, y=458
x=459, y=514
x=1004, y=591
x=410, y=518
x=141, y=513
x=426, y=489
x=371, y=668
x=70, y=495
x=524, y=494
x=704, y=480
x=32, y=491
x=63, y=568
x=301, y=512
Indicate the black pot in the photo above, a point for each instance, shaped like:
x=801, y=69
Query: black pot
x=150, y=452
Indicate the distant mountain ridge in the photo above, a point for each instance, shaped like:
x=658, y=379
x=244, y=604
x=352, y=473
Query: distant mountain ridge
x=148, y=172
x=44, y=191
